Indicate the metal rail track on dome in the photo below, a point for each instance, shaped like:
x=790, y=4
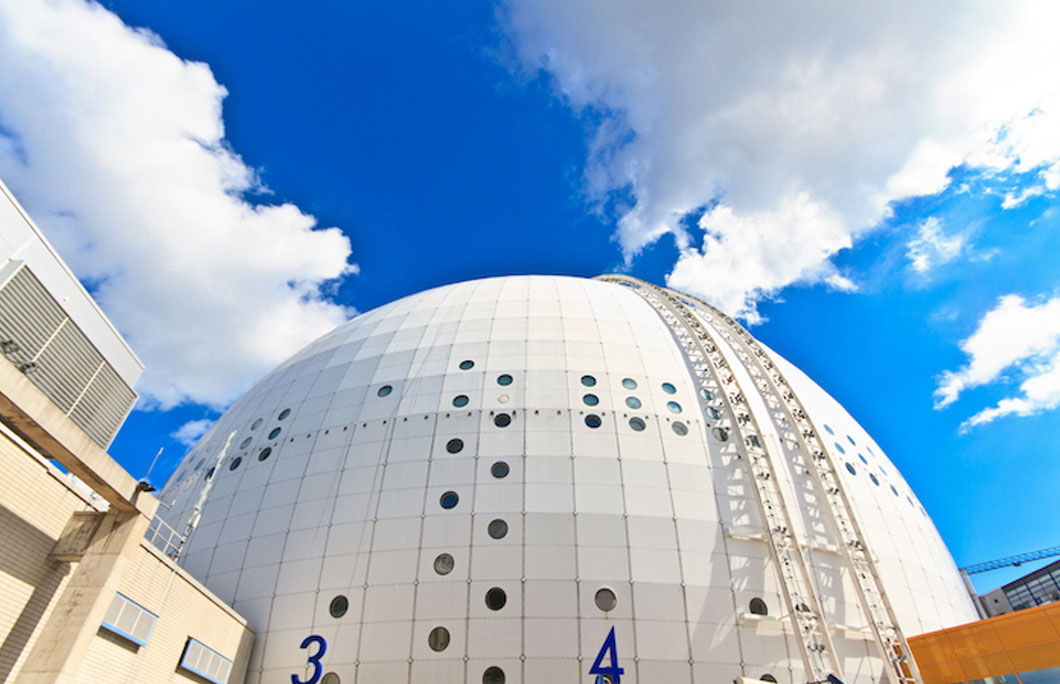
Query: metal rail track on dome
x=800, y=597
x=890, y=641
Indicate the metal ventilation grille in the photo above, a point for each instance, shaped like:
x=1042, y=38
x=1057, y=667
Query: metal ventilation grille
x=206, y=662
x=130, y=620
x=38, y=337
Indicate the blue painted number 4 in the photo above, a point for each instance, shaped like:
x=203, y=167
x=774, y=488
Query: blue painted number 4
x=612, y=673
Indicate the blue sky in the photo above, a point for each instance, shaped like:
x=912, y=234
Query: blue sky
x=873, y=189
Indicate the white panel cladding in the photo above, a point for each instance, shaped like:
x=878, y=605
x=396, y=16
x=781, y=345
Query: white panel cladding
x=509, y=435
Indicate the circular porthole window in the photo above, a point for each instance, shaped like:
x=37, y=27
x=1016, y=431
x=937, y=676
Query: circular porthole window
x=894, y=490
x=863, y=459
x=851, y=440
x=449, y=500
x=633, y=402
x=768, y=678
x=235, y=462
x=851, y=470
x=499, y=470
x=385, y=390
x=593, y=420
x=460, y=400
x=438, y=639
x=339, y=605
x=874, y=479
x=198, y=466
x=629, y=383
x=673, y=406
x=265, y=453
x=759, y=607
x=680, y=428
x=504, y=380
x=669, y=388
x=454, y=446
x=591, y=399
x=256, y=424
x=467, y=364
x=720, y=434
x=588, y=380
x=493, y=675
x=705, y=393
x=828, y=429
x=246, y=442
x=840, y=448
x=497, y=529
x=502, y=420
x=496, y=598
x=713, y=413
x=637, y=424
x=443, y=564
x=606, y=600
x=274, y=433
x=209, y=473
x=283, y=414
x=330, y=678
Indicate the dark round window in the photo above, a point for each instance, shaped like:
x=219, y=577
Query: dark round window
x=588, y=380
x=673, y=406
x=828, y=429
x=246, y=442
x=767, y=678
x=840, y=448
x=467, y=364
x=863, y=460
x=283, y=414
x=443, y=564
x=498, y=529
x=499, y=470
x=454, y=446
x=460, y=400
x=720, y=434
x=496, y=598
x=593, y=420
x=493, y=675
x=680, y=428
x=629, y=383
x=504, y=380
x=502, y=420
x=758, y=607
x=256, y=424
x=274, y=433
x=713, y=413
x=198, y=466
x=449, y=500
x=669, y=388
x=591, y=399
x=339, y=605
x=851, y=439
x=851, y=470
x=637, y=424
x=235, y=462
x=438, y=639
x=384, y=390
x=209, y=473
x=265, y=453
x=874, y=479
x=705, y=393
x=894, y=490
x=331, y=678
x=633, y=402
x=606, y=600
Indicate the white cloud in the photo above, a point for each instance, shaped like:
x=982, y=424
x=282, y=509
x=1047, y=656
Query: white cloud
x=189, y=432
x=116, y=147
x=931, y=248
x=1012, y=338
x=762, y=109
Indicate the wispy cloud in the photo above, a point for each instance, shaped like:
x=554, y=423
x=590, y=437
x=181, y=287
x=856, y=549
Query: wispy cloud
x=797, y=124
x=931, y=248
x=116, y=146
x=189, y=432
x=1014, y=338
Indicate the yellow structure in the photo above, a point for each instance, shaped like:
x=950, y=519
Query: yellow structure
x=1021, y=646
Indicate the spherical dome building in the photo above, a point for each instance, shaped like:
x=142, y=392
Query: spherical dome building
x=549, y=479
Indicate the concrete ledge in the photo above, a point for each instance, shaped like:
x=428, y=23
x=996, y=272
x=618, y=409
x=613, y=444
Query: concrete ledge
x=27, y=411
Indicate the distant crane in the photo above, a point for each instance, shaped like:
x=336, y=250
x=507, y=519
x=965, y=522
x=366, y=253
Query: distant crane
x=1013, y=561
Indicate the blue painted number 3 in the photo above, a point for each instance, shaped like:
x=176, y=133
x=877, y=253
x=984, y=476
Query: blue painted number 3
x=313, y=660
x=612, y=673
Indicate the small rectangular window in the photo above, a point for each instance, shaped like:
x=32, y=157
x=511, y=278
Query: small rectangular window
x=204, y=661
x=129, y=620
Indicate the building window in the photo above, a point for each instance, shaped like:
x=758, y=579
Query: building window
x=591, y=399
x=593, y=420
x=449, y=500
x=588, y=380
x=129, y=620
x=629, y=383
x=460, y=400
x=606, y=600
x=467, y=364
x=504, y=380
x=438, y=639
x=385, y=390
x=205, y=662
x=669, y=388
